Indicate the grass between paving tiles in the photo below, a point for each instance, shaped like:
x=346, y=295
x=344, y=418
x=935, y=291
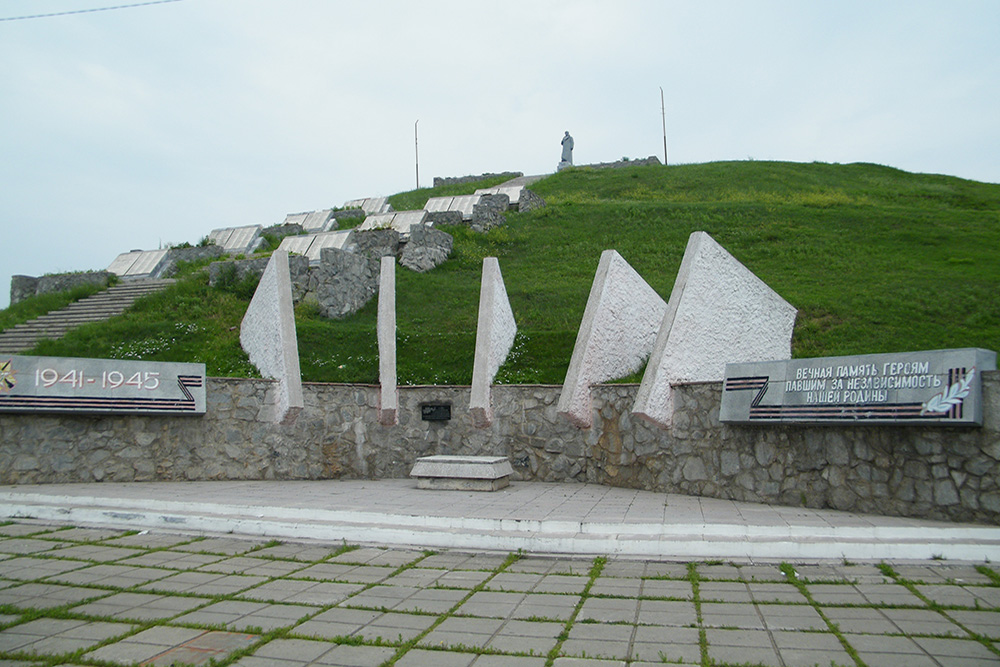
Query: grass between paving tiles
x=694, y=577
x=941, y=609
x=140, y=625
x=793, y=579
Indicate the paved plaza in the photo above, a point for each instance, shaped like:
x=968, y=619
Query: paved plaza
x=72, y=595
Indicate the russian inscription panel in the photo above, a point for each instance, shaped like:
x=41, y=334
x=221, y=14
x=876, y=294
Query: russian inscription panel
x=937, y=386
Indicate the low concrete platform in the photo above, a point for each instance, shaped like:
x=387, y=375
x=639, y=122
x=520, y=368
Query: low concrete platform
x=462, y=473
x=530, y=516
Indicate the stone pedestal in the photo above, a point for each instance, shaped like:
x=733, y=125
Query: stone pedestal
x=462, y=473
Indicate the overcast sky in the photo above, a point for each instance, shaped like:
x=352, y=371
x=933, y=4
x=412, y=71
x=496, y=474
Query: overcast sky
x=152, y=125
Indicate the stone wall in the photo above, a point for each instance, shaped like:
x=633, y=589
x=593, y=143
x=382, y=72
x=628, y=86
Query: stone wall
x=920, y=471
x=461, y=180
x=626, y=162
x=23, y=287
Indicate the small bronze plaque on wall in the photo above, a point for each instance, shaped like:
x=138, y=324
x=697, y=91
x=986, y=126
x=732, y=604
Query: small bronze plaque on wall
x=435, y=412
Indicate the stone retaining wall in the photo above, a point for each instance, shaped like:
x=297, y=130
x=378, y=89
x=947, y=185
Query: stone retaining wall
x=919, y=471
x=461, y=180
x=24, y=287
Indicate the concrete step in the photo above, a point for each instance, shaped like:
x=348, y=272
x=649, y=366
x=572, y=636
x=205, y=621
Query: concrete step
x=95, y=308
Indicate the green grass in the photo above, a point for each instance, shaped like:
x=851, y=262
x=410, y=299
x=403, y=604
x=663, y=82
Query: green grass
x=32, y=307
x=875, y=259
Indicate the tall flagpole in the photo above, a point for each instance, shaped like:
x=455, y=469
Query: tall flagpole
x=663, y=112
x=416, y=152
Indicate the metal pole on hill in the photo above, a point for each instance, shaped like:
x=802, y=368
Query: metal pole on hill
x=663, y=112
x=416, y=152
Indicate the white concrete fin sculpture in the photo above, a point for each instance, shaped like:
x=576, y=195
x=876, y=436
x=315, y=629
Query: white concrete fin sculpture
x=388, y=408
x=267, y=335
x=494, y=339
x=719, y=312
x=616, y=336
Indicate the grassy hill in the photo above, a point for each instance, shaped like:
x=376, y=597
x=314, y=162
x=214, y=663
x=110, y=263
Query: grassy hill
x=875, y=259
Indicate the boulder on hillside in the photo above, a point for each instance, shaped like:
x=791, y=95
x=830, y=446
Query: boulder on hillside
x=426, y=249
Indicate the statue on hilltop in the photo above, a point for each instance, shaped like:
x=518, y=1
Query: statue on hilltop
x=567, y=152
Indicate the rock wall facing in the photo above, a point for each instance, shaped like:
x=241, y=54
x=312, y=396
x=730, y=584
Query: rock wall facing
x=928, y=472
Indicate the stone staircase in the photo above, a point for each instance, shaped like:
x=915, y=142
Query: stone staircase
x=95, y=308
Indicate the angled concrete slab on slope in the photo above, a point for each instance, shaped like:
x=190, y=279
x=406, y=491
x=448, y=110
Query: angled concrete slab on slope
x=237, y=240
x=495, y=333
x=137, y=263
x=719, y=312
x=388, y=408
x=616, y=336
x=370, y=205
x=267, y=334
x=401, y=221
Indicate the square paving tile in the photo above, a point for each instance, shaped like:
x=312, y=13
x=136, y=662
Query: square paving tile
x=836, y=594
x=52, y=636
x=889, y=594
x=617, y=586
x=396, y=628
x=245, y=616
x=657, y=643
x=164, y=645
x=27, y=545
x=376, y=556
x=174, y=560
x=262, y=567
x=140, y=606
x=923, y=622
x=956, y=648
x=667, y=588
x=336, y=622
x=204, y=583
x=792, y=617
x=772, y=592
x=724, y=591
x=47, y=596
x=359, y=574
x=24, y=529
x=27, y=568
x=514, y=581
x=306, y=553
x=87, y=534
x=985, y=623
x=491, y=604
x=597, y=640
x=951, y=595
x=426, y=658
x=430, y=600
x=609, y=610
x=303, y=592
x=739, y=655
x=667, y=613
x=97, y=553
x=221, y=545
x=730, y=615
x=147, y=540
x=119, y=576
x=865, y=620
